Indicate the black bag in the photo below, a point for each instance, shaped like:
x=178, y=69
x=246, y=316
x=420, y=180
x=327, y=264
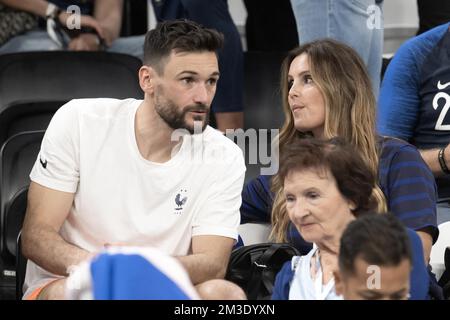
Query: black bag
x=255, y=267
x=444, y=281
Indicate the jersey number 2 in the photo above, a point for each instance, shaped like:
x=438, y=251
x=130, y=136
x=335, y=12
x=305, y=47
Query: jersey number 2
x=439, y=126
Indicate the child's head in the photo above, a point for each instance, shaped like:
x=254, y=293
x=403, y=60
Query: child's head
x=374, y=259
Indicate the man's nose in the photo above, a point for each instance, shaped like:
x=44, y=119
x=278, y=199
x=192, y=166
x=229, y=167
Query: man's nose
x=201, y=94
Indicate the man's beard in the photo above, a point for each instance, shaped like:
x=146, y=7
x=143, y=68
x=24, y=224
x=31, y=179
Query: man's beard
x=176, y=118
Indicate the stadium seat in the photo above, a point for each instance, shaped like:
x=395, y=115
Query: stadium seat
x=33, y=85
x=254, y=233
x=17, y=157
x=21, y=267
x=438, y=251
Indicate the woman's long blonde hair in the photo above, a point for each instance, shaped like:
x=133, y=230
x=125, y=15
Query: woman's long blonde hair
x=350, y=106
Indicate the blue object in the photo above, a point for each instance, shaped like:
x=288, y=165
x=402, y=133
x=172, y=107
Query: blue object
x=131, y=277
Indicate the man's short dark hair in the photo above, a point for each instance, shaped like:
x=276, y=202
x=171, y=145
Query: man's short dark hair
x=378, y=239
x=180, y=36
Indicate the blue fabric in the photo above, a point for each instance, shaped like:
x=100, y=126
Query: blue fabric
x=410, y=86
x=283, y=282
x=131, y=277
x=404, y=178
x=346, y=21
x=257, y=200
x=239, y=243
x=214, y=14
x=419, y=277
x=400, y=100
x=408, y=185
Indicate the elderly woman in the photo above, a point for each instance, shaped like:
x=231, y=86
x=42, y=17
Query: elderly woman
x=327, y=93
x=327, y=185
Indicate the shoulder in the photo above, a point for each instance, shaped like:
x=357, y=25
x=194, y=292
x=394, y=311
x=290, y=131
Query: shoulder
x=391, y=147
x=219, y=145
x=98, y=107
x=420, y=279
x=421, y=45
x=397, y=155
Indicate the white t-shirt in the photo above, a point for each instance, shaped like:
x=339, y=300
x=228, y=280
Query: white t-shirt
x=90, y=149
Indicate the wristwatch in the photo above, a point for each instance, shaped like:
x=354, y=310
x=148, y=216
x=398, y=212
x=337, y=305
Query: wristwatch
x=52, y=12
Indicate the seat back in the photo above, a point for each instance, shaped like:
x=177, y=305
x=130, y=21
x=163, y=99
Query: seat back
x=28, y=116
x=32, y=83
x=21, y=267
x=254, y=233
x=17, y=157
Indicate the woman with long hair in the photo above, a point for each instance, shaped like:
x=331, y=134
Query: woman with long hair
x=327, y=93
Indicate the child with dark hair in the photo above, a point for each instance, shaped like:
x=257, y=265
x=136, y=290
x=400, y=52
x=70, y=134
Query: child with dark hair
x=375, y=259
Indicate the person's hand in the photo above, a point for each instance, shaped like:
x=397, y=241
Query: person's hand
x=85, y=21
x=85, y=42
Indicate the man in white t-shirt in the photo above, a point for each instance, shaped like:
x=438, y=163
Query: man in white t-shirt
x=140, y=173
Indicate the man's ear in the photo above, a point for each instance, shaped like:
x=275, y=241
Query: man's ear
x=338, y=283
x=147, y=79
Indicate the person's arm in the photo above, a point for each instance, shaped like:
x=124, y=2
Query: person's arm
x=108, y=13
x=398, y=103
x=215, y=224
x=39, y=8
x=209, y=258
x=412, y=194
x=55, y=179
x=47, y=209
x=431, y=157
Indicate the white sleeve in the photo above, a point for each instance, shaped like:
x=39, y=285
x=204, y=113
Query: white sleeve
x=220, y=213
x=57, y=164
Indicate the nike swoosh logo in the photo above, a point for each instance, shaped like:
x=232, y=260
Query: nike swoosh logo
x=43, y=163
x=442, y=86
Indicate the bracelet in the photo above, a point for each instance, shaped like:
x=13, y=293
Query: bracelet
x=441, y=158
